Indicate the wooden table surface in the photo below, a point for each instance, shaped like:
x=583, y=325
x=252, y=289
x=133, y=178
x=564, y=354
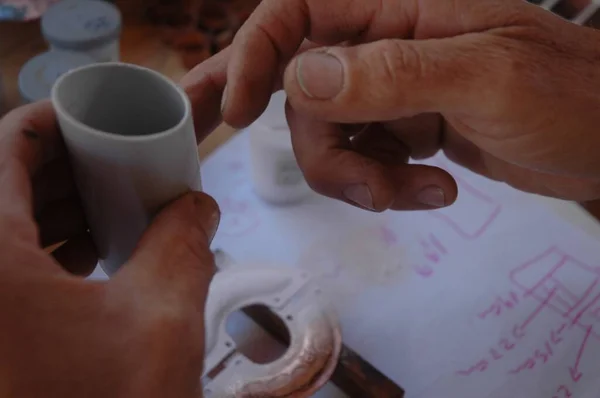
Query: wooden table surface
x=141, y=44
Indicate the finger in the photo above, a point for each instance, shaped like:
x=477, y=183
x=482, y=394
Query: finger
x=420, y=187
x=29, y=137
x=417, y=187
x=61, y=220
x=205, y=86
x=173, y=262
x=271, y=35
x=53, y=182
x=30, y=134
x=392, y=79
x=366, y=172
x=77, y=255
x=333, y=168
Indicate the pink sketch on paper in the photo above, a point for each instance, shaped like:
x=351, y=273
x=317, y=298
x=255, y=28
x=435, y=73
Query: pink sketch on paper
x=423, y=270
x=388, y=236
x=500, y=305
x=574, y=370
x=433, y=251
x=482, y=208
x=496, y=352
x=544, y=352
x=556, y=270
x=237, y=218
x=563, y=392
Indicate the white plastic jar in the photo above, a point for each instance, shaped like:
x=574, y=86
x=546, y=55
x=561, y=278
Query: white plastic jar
x=91, y=27
x=275, y=173
x=38, y=75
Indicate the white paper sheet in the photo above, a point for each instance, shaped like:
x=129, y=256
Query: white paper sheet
x=493, y=297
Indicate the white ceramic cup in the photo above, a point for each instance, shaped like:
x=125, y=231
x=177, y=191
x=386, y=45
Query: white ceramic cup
x=130, y=137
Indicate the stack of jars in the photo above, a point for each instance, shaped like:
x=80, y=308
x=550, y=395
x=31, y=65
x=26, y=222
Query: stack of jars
x=79, y=33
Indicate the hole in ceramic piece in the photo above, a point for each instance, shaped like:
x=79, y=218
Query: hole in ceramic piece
x=251, y=340
x=570, y=8
x=121, y=100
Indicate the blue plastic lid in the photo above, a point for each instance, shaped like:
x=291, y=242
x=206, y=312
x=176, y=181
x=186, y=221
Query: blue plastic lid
x=81, y=24
x=38, y=75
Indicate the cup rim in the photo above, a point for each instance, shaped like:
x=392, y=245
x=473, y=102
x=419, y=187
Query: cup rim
x=60, y=110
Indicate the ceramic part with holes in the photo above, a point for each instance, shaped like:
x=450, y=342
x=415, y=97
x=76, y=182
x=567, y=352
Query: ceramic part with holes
x=92, y=27
x=315, y=336
x=38, y=75
x=275, y=173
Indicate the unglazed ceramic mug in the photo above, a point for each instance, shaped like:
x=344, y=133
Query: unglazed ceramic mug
x=131, y=142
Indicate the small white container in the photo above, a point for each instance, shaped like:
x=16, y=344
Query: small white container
x=92, y=27
x=275, y=173
x=38, y=75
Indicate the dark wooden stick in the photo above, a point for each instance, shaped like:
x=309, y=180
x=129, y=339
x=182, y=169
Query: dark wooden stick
x=353, y=375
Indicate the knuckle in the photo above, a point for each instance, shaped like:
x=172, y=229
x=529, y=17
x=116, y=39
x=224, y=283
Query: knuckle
x=399, y=61
x=191, y=247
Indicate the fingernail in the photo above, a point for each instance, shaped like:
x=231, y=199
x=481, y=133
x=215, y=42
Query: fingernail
x=320, y=75
x=360, y=194
x=208, y=215
x=214, y=226
x=223, y=98
x=432, y=196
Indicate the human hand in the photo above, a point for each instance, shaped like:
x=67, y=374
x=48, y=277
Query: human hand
x=503, y=87
x=140, y=334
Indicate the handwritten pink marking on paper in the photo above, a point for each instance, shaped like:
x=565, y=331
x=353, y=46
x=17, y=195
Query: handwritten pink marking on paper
x=465, y=187
x=570, y=302
x=540, y=355
x=538, y=309
x=564, y=391
x=388, y=236
x=585, y=295
x=596, y=312
x=505, y=344
x=480, y=366
x=237, y=218
x=438, y=245
x=495, y=355
x=584, y=309
x=499, y=304
x=564, y=288
x=424, y=270
x=574, y=370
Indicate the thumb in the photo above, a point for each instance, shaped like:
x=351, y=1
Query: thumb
x=390, y=79
x=173, y=259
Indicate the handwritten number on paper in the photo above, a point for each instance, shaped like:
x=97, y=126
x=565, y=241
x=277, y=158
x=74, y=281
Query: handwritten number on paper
x=506, y=344
x=563, y=392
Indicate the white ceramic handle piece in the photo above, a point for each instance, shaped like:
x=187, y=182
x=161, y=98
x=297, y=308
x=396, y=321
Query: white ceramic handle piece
x=315, y=336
